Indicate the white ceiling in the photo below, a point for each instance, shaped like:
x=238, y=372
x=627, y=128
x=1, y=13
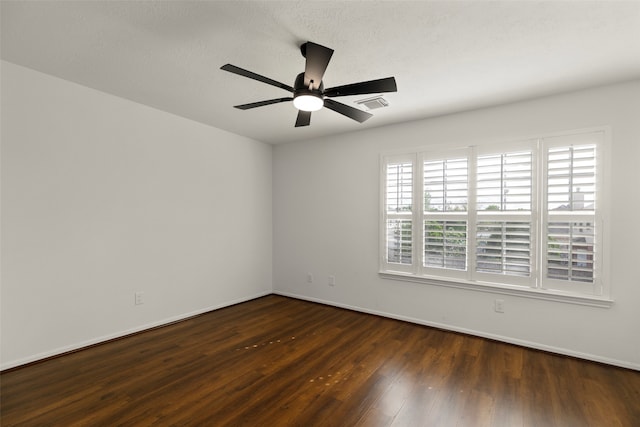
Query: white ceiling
x=446, y=56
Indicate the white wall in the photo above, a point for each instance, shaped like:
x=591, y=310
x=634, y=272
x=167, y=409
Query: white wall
x=326, y=201
x=103, y=197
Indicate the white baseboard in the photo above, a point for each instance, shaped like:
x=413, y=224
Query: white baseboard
x=98, y=340
x=509, y=340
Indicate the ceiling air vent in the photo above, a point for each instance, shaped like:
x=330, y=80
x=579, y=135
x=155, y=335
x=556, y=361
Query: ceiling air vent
x=373, y=103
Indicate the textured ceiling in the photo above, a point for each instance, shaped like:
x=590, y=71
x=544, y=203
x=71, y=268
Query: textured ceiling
x=447, y=56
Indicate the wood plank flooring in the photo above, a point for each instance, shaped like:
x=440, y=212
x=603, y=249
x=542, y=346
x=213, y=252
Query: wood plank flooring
x=277, y=361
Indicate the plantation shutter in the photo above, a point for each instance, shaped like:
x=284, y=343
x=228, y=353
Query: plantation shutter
x=504, y=247
x=504, y=182
x=398, y=213
x=516, y=215
x=570, y=252
x=445, y=207
x=504, y=223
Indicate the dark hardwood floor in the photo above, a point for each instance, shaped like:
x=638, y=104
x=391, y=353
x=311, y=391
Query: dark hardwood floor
x=276, y=361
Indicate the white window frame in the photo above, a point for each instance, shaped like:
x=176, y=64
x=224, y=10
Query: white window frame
x=597, y=139
x=385, y=265
x=536, y=285
x=438, y=216
x=508, y=148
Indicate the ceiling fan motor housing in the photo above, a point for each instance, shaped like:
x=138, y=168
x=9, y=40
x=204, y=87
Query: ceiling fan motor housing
x=300, y=89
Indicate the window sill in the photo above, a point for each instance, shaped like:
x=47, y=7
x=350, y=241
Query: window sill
x=543, y=294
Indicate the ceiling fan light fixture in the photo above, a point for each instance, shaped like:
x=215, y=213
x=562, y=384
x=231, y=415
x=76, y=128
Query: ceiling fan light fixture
x=308, y=102
x=308, y=89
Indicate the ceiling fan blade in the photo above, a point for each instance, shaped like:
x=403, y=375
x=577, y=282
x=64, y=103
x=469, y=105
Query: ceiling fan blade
x=318, y=58
x=262, y=103
x=246, y=73
x=304, y=118
x=373, y=86
x=345, y=110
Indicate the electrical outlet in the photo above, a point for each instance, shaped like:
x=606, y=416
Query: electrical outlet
x=332, y=280
x=138, y=298
x=498, y=305
x=309, y=277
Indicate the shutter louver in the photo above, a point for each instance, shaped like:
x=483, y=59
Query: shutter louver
x=504, y=247
x=399, y=241
x=504, y=182
x=445, y=244
x=445, y=185
x=399, y=195
x=571, y=182
x=570, y=251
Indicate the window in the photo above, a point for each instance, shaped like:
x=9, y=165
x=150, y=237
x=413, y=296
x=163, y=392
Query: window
x=572, y=253
x=524, y=216
x=445, y=196
x=398, y=209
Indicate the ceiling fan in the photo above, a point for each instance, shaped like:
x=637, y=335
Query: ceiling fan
x=308, y=90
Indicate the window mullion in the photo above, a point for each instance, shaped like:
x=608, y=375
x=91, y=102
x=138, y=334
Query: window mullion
x=418, y=214
x=471, y=212
x=538, y=212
